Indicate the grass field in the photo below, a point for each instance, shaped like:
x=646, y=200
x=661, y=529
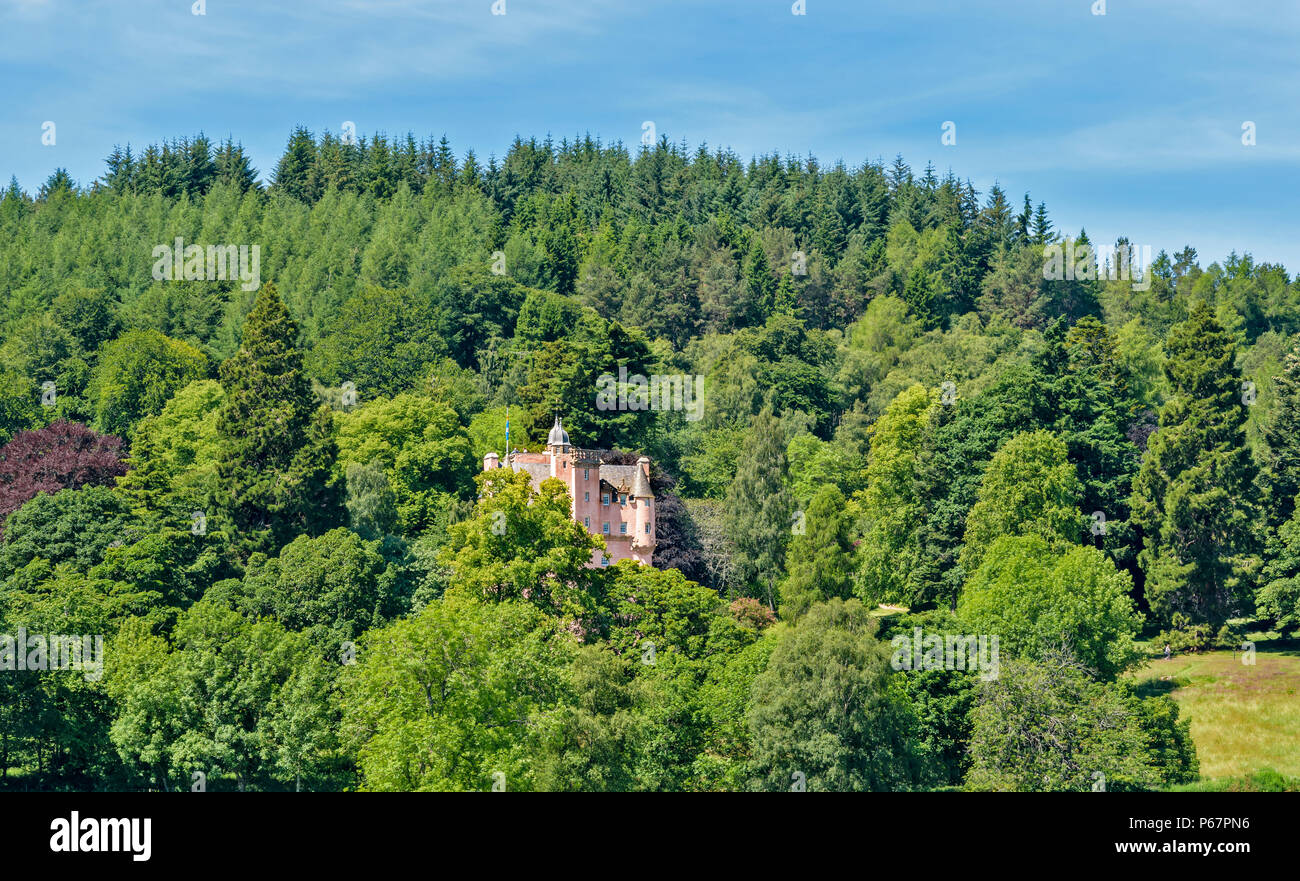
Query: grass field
x=1245, y=718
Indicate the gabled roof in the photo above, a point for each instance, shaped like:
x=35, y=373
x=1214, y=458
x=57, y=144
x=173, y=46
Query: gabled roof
x=628, y=479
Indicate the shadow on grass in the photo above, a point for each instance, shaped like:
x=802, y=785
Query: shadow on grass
x=1156, y=687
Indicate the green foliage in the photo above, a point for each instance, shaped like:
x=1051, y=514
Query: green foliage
x=1195, y=498
x=759, y=509
x=828, y=309
x=1170, y=749
x=1046, y=725
x=1037, y=599
x=827, y=707
x=20, y=407
x=137, y=374
x=522, y=544
x=371, y=502
x=332, y=588
x=450, y=698
x=184, y=707
x=175, y=454
x=1028, y=488
x=274, y=477
x=1281, y=472
x=891, y=508
x=420, y=445
x=819, y=562
x=942, y=698
x=382, y=341
x=74, y=526
x=653, y=612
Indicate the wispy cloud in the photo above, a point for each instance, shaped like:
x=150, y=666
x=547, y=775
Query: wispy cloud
x=1045, y=95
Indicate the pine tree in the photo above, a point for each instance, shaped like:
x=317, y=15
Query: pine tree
x=295, y=174
x=278, y=451
x=121, y=170
x=233, y=167
x=444, y=166
x=996, y=218
x=760, y=286
x=759, y=508
x=1023, y=220
x=200, y=170
x=560, y=242
x=58, y=183
x=1194, y=498
x=1281, y=437
x=1042, y=229
x=821, y=559
x=899, y=174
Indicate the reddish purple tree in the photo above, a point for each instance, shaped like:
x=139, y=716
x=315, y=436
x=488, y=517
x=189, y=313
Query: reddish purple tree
x=62, y=455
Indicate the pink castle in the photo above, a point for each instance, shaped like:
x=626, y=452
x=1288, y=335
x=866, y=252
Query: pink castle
x=612, y=501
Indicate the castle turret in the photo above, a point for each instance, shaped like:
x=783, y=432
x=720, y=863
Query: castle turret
x=491, y=461
x=557, y=445
x=643, y=498
x=558, y=438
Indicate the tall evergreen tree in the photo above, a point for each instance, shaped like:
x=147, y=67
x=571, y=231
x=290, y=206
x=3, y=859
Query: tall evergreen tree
x=1042, y=228
x=1023, y=221
x=1281, y=435
x=1194, y=498
x=820, y=560
x=274, y=480
x=759, y=508
x=295, y=175
x=233, y=167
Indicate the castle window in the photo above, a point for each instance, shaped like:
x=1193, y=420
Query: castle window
x=606, y=528
x=604, y=561
x=622, y=529
x=586, y=474
x=647, y=529
x=604, y=498
x=622, y=499
x=586, y=497
x=586, y=521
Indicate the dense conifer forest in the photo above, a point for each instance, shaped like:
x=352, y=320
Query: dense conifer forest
x=265, y=491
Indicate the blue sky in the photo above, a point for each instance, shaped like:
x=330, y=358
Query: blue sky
x=1127, y=123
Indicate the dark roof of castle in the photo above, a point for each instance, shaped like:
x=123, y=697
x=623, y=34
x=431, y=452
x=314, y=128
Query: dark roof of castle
x=627, y=478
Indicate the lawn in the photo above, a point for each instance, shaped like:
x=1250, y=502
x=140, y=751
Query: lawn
x=1245, y=718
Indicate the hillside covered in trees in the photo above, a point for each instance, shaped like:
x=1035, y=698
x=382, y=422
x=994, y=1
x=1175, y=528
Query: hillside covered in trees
x=267, y=497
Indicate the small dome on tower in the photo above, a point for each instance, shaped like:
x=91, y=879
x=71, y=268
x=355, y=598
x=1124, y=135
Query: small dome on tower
x=558, y=436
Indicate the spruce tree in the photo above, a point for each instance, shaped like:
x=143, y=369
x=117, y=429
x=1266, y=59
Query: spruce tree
x=1281, y=437
x=295, y=174
x=760, y=286
x=759, y=508
x=277, y=449
x=1042, y=229
x=1023, y=219
x=1194, y=498
x=233, y=167
x=821, y=559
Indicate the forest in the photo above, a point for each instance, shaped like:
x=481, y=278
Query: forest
x=269, y=499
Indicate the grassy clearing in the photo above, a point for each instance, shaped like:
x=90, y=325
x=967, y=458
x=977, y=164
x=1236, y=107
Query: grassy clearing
x=1245, y=718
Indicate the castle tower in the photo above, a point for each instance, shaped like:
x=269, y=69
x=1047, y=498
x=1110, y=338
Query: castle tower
x=557, y=445
x=643, y=499
x=612, y=501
